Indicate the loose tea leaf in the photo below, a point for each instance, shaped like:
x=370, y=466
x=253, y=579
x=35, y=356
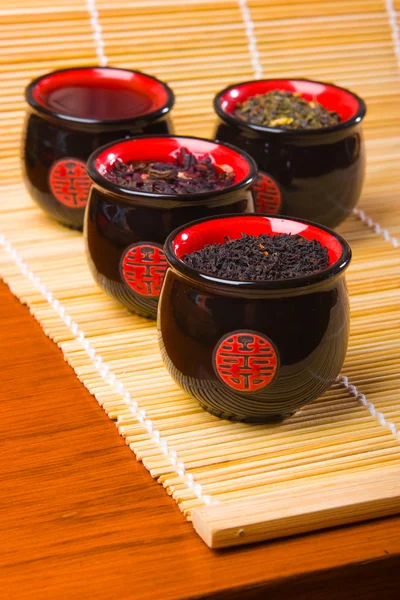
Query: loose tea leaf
x=285, y=110
x=260, y=258
x=187, y=174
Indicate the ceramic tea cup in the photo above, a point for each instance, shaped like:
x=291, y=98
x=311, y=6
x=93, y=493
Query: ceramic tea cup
x=246, y=350
x=314, y=174
x=125, y=229
x=71, y=113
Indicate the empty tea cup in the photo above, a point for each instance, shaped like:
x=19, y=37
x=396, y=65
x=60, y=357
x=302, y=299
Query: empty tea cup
x=71, y=113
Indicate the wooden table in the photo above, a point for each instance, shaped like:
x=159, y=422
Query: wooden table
x=80, y=518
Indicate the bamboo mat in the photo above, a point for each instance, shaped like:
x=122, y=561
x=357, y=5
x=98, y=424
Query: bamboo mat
x=338, y=459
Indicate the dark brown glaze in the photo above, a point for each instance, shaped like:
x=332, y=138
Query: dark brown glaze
x=319, y=181
x=114, y=224
x=310, y=332
x=46, y=142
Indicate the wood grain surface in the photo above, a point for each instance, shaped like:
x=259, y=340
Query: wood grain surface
x=79, y=518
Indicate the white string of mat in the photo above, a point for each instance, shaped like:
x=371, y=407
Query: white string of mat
x=392, y=14
x=252, y=39
x=369, y=222
x=97, y=32
x=353, y=391
x=106, y=374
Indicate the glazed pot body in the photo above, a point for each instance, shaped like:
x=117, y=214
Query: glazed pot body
x=313, y=175
x=55, y=157
x=320, y=182
x=253, y=355
x=56, y=148
x=125, y=233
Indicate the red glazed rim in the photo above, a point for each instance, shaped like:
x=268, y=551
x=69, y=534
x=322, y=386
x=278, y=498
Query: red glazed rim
x=194, y=236
x=161, y=96
x=165, y=148
x=351, y=108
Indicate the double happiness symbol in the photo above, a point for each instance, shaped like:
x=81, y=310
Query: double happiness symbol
x=70, y=183
x=267, y=194
x=245, y=360
x=143, y=267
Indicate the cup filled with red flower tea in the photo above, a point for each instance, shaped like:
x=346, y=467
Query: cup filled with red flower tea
x=144, y=188
x=306, y=139
x=253, y=315
x=71, y=113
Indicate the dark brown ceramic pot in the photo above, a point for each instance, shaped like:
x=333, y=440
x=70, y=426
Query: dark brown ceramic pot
x=314, y=174
x=71, y=113
x=125, y=229
x=253, y=351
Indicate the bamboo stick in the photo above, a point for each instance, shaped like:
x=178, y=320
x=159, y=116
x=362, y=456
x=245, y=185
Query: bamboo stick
x=342, y=501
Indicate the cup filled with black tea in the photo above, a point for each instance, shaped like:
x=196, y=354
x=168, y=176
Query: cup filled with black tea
x=253, y=315
x=71, y=113
x=306, y=138
x=144, y=188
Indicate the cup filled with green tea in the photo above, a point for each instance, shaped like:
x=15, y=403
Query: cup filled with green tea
x=253, y=315
x=306, y=138
x=71, y=113
x=145, y=187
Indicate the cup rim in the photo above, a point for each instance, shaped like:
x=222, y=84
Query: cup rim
x=128, y=194
x=290, y=133
x=107, y=123
x=336, y=268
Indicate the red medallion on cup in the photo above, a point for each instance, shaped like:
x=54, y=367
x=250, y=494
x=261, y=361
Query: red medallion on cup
x=267, y=194
x=69, y=182
x=143, y=267
x=245, y=361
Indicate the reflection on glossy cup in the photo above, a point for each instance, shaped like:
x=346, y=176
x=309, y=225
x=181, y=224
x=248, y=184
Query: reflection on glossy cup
x=125, y=229
x=248, y=350
x=71, y=113
x=314, y=174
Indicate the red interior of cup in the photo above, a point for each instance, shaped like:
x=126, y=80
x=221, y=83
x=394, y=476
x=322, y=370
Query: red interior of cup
x=214, y=231
x=330, y=96
x=165, y=149
x=100, y=93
